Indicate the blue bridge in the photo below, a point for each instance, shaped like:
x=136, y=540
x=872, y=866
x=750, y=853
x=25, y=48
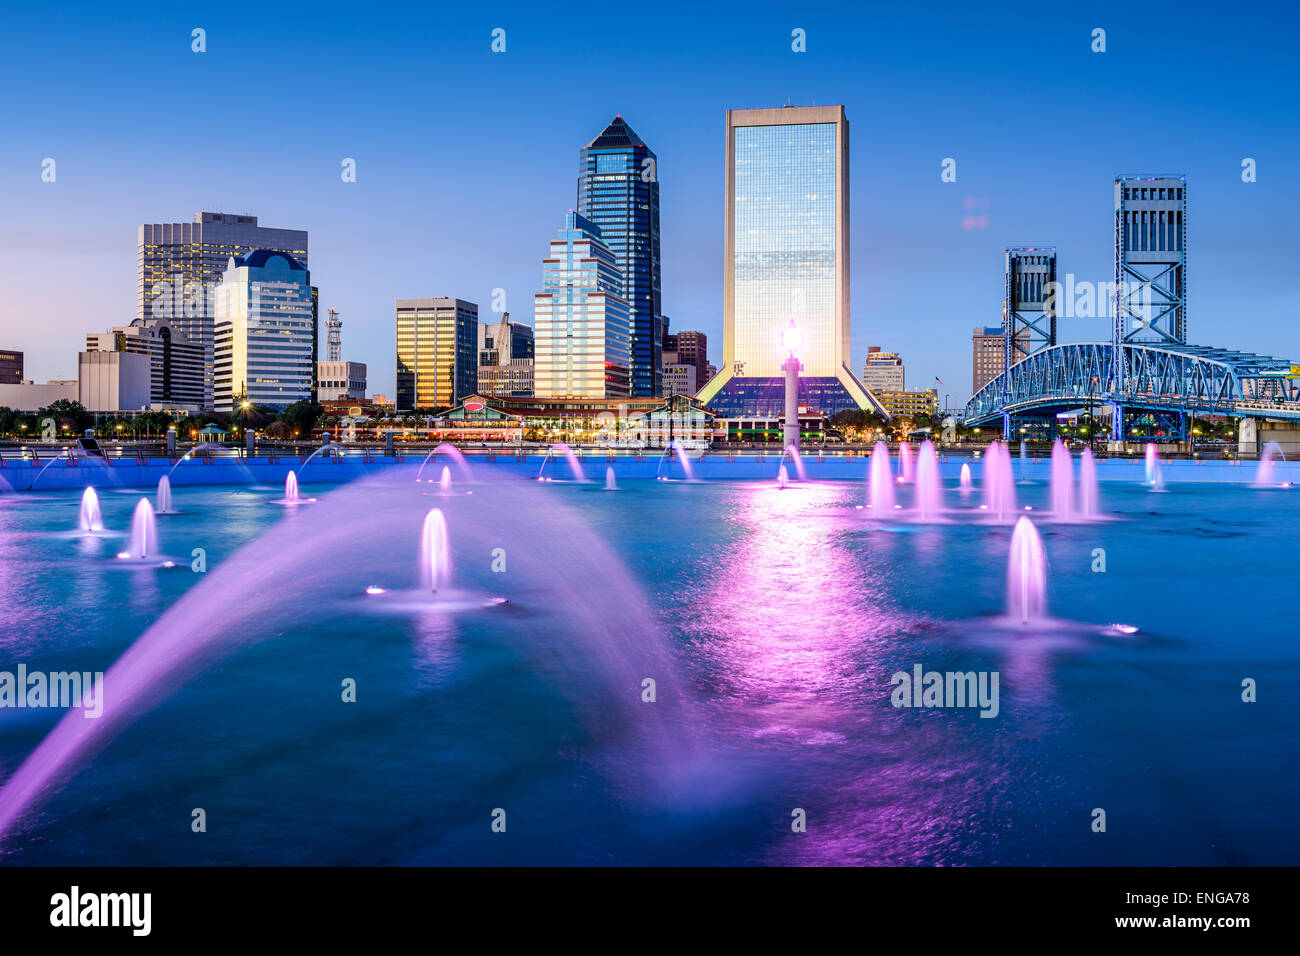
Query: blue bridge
x=1171, y=378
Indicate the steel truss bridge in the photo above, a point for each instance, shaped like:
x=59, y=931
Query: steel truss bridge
x=1170, y=380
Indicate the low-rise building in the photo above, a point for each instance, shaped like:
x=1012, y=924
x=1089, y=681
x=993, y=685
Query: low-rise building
x=909, y=404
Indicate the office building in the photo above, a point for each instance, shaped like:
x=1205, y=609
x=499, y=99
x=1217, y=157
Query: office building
x=989, y=355
x=114, y=381
x=180, y=264
x=11, y=367
x=690, y=348
x=338, y=381
x=883, y=371
x=618, y=192
x=264, y=334
x=437, y=361
x=501, y=342
x=581, y=318
x=176, y=365
x=904, y=404
x=514, y=379
x=786, y=259
x=679, y=378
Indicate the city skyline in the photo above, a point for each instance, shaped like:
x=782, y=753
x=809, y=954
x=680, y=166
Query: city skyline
x=911, y=230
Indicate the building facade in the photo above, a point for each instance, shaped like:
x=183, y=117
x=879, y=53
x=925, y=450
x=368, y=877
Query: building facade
x=679, y=379
x=786, y=259
x=581, y=318
x=114, y=381
x=618, y=191
x=501, y=342
x=180, y=264
x=11, y=367
x=338, y=381
x=437, y=361
x=905, y=404
x=690, y=348
x=176, y=365
x=988, y=355
x=883, y=371
x=511, y=380
x=264, y=336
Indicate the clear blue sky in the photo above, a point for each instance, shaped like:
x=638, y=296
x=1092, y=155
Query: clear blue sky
x=467, y=159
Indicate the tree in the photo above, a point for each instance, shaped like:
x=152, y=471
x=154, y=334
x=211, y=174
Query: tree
x=67, y=414
x=302, y=417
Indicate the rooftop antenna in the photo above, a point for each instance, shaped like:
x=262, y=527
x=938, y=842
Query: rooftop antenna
x=335, y=339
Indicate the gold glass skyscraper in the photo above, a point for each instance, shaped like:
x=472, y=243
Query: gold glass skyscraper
x=786, y=260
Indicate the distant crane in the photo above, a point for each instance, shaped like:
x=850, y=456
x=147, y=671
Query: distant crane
x=334, y=341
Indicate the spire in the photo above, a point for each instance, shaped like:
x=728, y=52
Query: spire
x=617, y=135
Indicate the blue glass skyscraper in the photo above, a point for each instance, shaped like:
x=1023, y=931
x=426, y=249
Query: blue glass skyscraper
x=618, y=191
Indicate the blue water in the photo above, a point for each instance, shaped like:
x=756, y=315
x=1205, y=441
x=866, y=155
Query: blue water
x=771, y=621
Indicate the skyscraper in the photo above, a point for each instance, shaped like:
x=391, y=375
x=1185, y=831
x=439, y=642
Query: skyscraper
x=175, y=363
x=264, y=332
x=618, y=191
x=437, y=355
x=883, y=371
x=180, y=264
x=580, y=318
x=786, y=258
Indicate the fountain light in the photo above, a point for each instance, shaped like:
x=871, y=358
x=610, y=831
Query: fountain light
x=376, y=589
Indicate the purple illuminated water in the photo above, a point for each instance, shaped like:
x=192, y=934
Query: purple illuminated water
x=164, y=496
x=797, y=458
x=1089, y=498
x=782, y=477
x=689, y=470
x=1026, y=574
x=1062, y=481
x=1267, y=471
x=444, y=481
x=143, y=541
x=89, y=517
x=929, y=486
x=999, y=484
x=905, y=469
x=965, y=479
x=435, y=551
x=610, y=483
x=575, y=466
x=1154, y=475
x=881, y=482
x=291, y=487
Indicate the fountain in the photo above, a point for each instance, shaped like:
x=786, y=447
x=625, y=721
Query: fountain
x=1026, y=574
x=1024, y=458
x=929, y=485
x=1266, y=470
x=782, y=477
x=575, y=466
x=1089, y=497
x=792, y=452
x=965, y=480
x=291, y=487
x=881, y=481
x=197, y=448
x=1154, y=474
x=904, y=461
x=143, y=542
x=452, y=452
x=90, y=518
x=999, y=485
x=435, y=552
x=444, y=481
x=164, y=496
x=610, y=483
x=1062, y=481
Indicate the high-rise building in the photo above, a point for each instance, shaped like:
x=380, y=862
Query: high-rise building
x=618, y=191
x=883, y=371
x=437, y=361
x=989, y=355
x=180, y=264
x=113, y=381
x=786, y=259
x=679, y=379
x=11, y=367
x=690, y=348
x=176, y=365
x=264, y=332
x=581, y=318
x=499, y=343
x=338, y=381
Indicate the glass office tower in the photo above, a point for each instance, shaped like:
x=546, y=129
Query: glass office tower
x=618, y=191
x=437, y=354
x=580, y=319
x=786, y=259
x=180, y=264
x=264, y=332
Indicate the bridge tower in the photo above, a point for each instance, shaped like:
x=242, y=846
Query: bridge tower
x=1029, y=306
x=1150, y=295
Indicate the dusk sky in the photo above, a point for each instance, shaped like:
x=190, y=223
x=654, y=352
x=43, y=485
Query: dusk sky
x=467, y=160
